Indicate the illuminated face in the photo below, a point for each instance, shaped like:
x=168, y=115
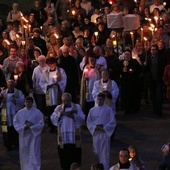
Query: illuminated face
x=132, y=152
x=123, y=157
x=52, y=66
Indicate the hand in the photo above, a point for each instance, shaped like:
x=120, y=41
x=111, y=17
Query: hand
x=13, y=100
x=28, y=124
x=99, y=127
x=70, y=115
x=125, y=69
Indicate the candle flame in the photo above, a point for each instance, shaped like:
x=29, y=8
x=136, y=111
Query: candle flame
x=8, y=43
x=145, y=38
x=96, y=34
x=56, y=36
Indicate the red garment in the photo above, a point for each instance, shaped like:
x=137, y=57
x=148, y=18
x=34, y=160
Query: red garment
x=166, y=79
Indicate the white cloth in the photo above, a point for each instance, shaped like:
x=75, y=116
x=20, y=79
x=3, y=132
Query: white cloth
x=11, y=107
x=52, y=77
x=117, y=167
x=101, y=61
x=29, y=140
x=93, y=76
x=86, y=5
x=114, y=92
x=36, y=76
x=68, y=125
x=160, y=7
x=101, y=140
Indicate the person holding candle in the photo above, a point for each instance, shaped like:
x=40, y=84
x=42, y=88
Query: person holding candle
x=77, y=10
x=90, y=75
x=10, y=62
x=53, y=83
x=22, y=78
x=124, y=162
x=130, y=83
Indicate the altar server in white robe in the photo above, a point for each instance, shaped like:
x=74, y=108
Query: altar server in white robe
x=108, y=87
x=68, y=117
x=29, y=123
x=53, y=83
x=101, y=123
x=11, y=101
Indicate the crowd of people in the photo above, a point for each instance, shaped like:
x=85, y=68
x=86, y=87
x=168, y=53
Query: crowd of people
x=64, y=59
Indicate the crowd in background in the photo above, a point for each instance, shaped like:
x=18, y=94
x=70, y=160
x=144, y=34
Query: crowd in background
x=72, y=37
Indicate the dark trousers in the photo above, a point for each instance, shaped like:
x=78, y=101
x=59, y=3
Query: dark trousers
x=50, y=110
x=157, y=96
x=68, y=155
x=10, y=138
x=40, y=102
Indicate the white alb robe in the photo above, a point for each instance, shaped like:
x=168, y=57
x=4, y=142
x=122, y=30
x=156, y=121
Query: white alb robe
x=68, y=125
x=29, y=140
x=101, y=140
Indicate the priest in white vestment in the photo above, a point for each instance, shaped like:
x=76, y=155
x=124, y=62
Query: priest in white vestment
x=29, y=123
x=11, y=101
x=68, y=117
x=109, y=88
x=53, y=83
x=101, y=123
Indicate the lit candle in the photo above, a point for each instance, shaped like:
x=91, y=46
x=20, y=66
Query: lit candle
x=164, y=3
x=156, y=21
x=16, y=77
x=114, y=42
x=132, y=38
x=73, y=12
x=96, y=34
x=141, y=34
x=8, y=43
x=41, y=27
x=110, y=2
x=23, y=43
x=56, y=36
x=86, y=76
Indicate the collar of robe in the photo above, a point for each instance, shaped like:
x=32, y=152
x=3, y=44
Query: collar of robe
x=124, y=166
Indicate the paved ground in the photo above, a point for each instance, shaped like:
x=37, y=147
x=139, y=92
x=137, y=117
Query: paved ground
x=146, y=131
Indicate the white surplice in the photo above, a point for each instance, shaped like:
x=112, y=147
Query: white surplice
x=101, y=140
x=11, y=107
x=114, y=92
x=29, y=140
x=52, y=78
x=68, y=125
x=117, y=167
